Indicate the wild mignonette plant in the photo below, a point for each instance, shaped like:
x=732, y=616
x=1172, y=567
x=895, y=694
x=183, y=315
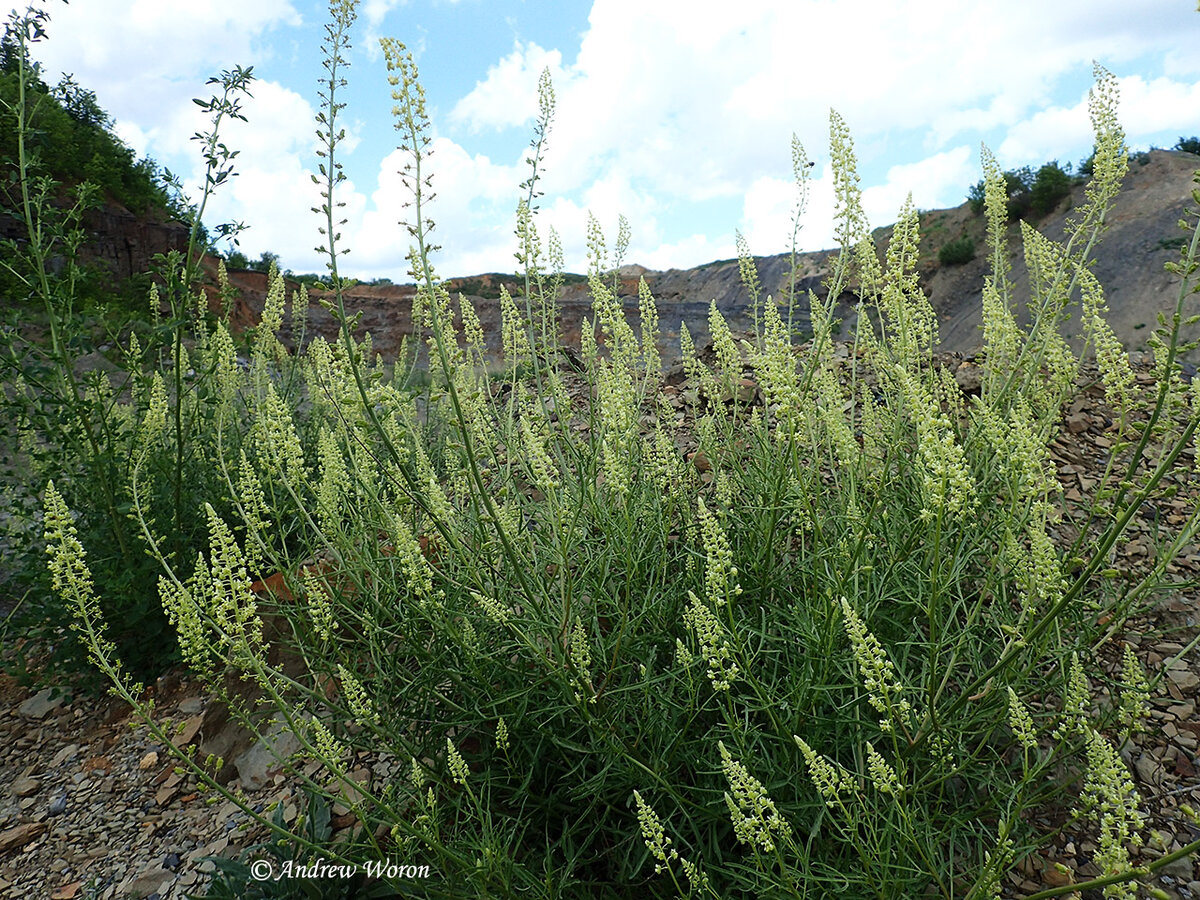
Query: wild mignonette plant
x=81, y=429
x=849, y=659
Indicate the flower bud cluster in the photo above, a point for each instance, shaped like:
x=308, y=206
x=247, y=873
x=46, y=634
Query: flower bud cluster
x=878, y=673
x=830, y=780
x=714, y=647
x=755, y=819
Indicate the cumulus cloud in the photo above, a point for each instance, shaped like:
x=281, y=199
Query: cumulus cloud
x=666, y=112
x=508, y=95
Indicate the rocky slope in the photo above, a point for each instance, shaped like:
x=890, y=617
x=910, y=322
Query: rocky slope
x=1129, y=264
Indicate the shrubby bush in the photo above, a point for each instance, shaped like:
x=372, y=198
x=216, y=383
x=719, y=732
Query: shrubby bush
x=1188, y=145
x=835, y=652
x=957, y=252
x=1029, y=193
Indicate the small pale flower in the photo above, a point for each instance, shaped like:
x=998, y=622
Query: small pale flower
x=830, y=780
x=654, y=836
x=882, y=775
x=755, y=818
x=1021, y=722
x=456, y=763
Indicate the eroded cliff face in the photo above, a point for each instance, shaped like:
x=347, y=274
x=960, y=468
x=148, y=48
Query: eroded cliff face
x=1130, y=258
x=126, y=244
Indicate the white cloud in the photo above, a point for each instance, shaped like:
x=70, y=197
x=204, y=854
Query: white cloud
x=508, y=96
x=1146, y=108
x=664, y=107
x=690, y=103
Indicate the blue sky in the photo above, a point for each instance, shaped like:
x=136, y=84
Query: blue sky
x=676, y=113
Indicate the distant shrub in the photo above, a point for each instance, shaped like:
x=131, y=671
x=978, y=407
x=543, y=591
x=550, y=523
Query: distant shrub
x=1029, y=192
x=1188, y=145
x=957, y=252
x=1051, y=184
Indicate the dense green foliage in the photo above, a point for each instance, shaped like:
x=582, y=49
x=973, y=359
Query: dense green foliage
x=1189, y=145
x=957, y=252
x=72, y=141
x=71, y=426
x=1030, y=193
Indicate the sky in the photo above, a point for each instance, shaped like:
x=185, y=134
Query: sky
x=677, y=114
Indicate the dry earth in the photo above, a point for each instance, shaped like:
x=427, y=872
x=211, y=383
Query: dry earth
x=90, y=806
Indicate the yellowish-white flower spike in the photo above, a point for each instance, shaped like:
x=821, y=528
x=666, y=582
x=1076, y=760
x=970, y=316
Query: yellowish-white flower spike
x=457, y=765
x=775, y=368
x=884, y=691
x=360, y=704
x=492, y=608
x=829, y=780
x=412, y=562
x=654, y=836
x=155, y=421
x=848, y=212
x=755, y=819
x=724, y=346
x=720, y=574
x=881, y=773
x=227, y=376
x=1076, y=703
x=277, y=443
x=155, y=303
x=71, y=579
x=435, y=497
x=1109, y=794
x=233, y=603
x=947, y=485
x=1111, y=159
x=502, y=735
x=648, y=313
x=320, y=605
x=183, y=613
x=533, y=437
x=328, y=747
x=266, y=341
x=581, y=663
x=746, y=267
x=472, y=329
x=513, y=333
x=1135, y=693
x=334, y=484
x=587, y=343
x=714, y=647
x=1021, y=722
x=1111, y=358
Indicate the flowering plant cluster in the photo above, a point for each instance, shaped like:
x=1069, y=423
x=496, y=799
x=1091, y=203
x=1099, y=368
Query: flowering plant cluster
x=843, y=658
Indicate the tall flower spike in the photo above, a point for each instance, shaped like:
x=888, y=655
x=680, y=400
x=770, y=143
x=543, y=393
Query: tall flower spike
x=654, y=836
x=755, y=818
x=722, y=667
x=829, y=779
x=1021, y=722
x=72, y=580
x=884, y=690
x=1109, y=793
